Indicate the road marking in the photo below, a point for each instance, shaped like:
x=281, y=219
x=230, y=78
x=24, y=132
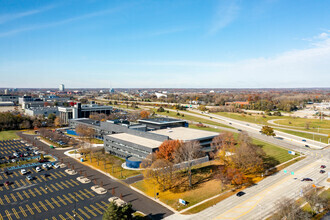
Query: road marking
x=32, y=193
x=30, y=210
x=43, y=190
x=43, y=206
x=102, y=207
x=96, y=209
x=12, y=196
x=15, y=173
x=104, y=203
x=19, y=195
x=40, y=180
x=27, y=195
x=61, y=216
x=22, y=182
x=54, y=201
x=36, y=207
x=17, y=183
x=69, y=183
x=61, y=200
x=54, y=187
x=84, y=194
x=1, y=202
x=50, y=204
x=89, y=192
x=73, y=197
x=67, y=198
x=52, y=175
x=54, y=218
x=35, y=189
x=58, y=175
x=84, y=213
x=65, y=185
x=262, y=194
x=6, y=198
x=23, y=212
x=6, y=187
x=59, y=186
x=70, y=216
x=8, y=215
x=15, y=213
x=90, y=211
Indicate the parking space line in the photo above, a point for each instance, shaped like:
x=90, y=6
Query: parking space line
x=30, y=210
x=22, y=211
x=101, y=206
x=75, y=182
x=54, y=187
x=17, y=183
x=15, y=213
x=32, y=193
x=63, y=174
x=96, y=209
x=40, y=180
x=104, y=203
x=84, y=213
x=14, y=198
x=61, y=200
x=53, y=176
x=80, y=197
x=57, y=175
x=19, y=196
x=12, y=185
x=36, y=207
x=43, y=190
x=54, y=218
x=35, y=189
x=90, y=211
x=1, y=202
x=73, y=197
x=27, y=195
x=89, y=192
x=48, y=203
x=8, y=215
x=70, y=216
x=66, y=198
x=84, y=194
x=6, y=176
x=61, y=216
x=65, y=185
x=15, y=173
x=6, y=198
x=54, y=201
x=23, y=182
x=69, y=183
x=59, y=186
x=1, y=218
x=6, y=187
x=43, y=206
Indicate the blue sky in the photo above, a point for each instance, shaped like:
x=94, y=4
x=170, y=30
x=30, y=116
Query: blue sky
x=196, y=43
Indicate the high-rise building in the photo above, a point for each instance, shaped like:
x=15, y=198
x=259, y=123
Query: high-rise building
x=61, y=87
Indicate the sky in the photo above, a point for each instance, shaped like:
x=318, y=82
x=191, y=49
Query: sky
x=165, y=44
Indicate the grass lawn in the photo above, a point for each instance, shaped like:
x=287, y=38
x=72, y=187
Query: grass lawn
x=301, y=122
x=253, y=118
x=118, y=172
x=7, y=135
x=320, y=138
x=191, y=118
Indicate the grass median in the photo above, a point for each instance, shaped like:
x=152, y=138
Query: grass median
x=8, y=135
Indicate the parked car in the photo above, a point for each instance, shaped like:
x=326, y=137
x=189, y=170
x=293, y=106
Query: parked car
x=322, y=171
x=49, y=165
x=303, y=140
x=323, y=166
x=307, y=179
x=240, y=193
x=38, y=169
x=23, y=171
x=56, y=166
x=29, y=177
x=306, y=146
x=44, y=166
x=7, y=183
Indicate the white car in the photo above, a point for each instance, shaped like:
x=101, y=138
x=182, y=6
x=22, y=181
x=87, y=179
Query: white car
x=23, y=171
x=49, y=165
x=56, y=166
x=38, y=169
x=44, y=165
x=15, y=154
x=36, y=152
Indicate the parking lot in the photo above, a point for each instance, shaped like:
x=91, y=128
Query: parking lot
x=52, y=193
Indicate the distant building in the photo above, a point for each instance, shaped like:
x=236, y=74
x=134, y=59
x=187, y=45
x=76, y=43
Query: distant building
x=82, y=111
x=45, y=111
x=111, y=90
x=240, y=103
x=61, y=88
x=160, y=95
x=162, y=123
x=9, y=98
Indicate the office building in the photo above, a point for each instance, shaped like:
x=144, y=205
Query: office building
x=61, y=88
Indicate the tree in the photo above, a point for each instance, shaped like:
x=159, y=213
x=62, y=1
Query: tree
x=224, y=140
x=115, y=212
x=52, y=116
x=85, y=131
x=167, y=148
x=186, y=153
x=316, y=202
x=269, y=131
x=58, y=122
x=144, y=114
x=160, y=109
x=289, y=210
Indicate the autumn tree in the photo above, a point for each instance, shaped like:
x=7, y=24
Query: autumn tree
x=167, y=148
x=186, y=153
x=85, y=131
x=269, y=131
x=147, y=162
x=144, y=114
x=224, y=140
x=58, y=122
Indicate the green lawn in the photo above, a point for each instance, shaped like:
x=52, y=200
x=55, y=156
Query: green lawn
x=301, y=122
x=7, y=135
x=254, y=118
x=192, y=118
x=320, y=138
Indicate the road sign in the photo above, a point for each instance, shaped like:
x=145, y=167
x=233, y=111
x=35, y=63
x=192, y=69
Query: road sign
x=292, y=173
x=182, y=202
x=285, y=171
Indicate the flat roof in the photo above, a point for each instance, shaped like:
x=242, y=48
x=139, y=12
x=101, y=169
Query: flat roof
x=87, y=121
x=137, y=140
x=185, y=134
x=161, y=120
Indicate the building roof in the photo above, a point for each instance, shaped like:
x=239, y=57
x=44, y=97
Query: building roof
x=185, y=134
x=137, y=140
x=87, y=121
x=160, y=121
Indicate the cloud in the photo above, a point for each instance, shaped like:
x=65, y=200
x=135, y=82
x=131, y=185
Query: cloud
x=61, y=22
x=9, y=17
x=226, y=13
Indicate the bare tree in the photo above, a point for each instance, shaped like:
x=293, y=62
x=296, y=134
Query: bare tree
x=316, y=202
x=289, y=210
x=186, y=153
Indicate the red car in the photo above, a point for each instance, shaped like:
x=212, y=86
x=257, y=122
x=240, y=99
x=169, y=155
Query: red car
x=323, y=166
x=7, y=183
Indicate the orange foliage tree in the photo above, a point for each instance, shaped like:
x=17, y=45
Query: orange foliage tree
x=167, y=149
x=144, y=114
